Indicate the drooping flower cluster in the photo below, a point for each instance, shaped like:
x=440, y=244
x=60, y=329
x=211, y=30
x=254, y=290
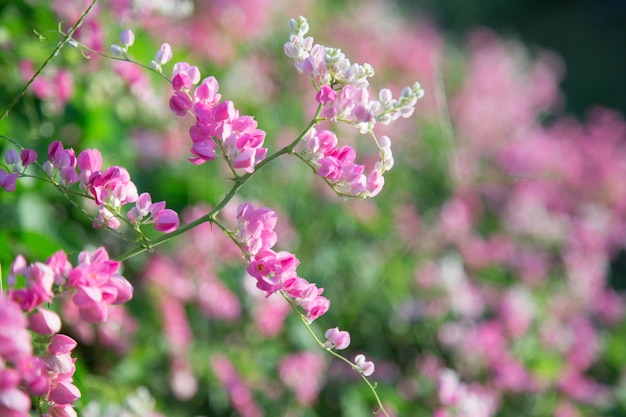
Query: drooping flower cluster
x=275, y=271
x=342, y=90
x=111, y=189
x=219, y=129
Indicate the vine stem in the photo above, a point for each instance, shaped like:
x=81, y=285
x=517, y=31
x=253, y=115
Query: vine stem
x=307, y=325
x=211, y=215
x=55, y=52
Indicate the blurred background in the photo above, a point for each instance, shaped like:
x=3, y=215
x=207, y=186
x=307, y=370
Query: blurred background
x=484, y=280
x=588, y=35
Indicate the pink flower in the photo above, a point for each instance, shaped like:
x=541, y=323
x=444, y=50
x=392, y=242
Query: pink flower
x=89, y=160
x=62, y=410
x=207, y=93
x=15, y=341
x=184, y=76
x=326, y=95
x=163, y=55
x=363, y=366
x=180, y=103
x=166, y=221
x=303, y=372
x=337, y=339
x=271, y=269
x=97, y=284
x=61, y=344
x=141, y=209
x=256, y=228
x=64, y=393
x=44, y=321
x=316, y=308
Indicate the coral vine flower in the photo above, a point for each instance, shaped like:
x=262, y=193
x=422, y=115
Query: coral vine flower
x=216, y=122
x=275, y=271
x=363, y=366
x=337, y=339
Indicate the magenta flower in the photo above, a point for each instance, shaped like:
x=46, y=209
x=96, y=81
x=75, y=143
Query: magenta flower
x=28, y=156
x=180, y=103
x=8, y=181
x=166, y=221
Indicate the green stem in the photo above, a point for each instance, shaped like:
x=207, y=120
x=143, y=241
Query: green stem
x=307, y=325
x=211, y=216
x=54, y=53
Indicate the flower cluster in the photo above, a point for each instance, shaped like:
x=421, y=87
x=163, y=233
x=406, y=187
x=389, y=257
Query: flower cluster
x=16, y=165
x=54, y=87
x=95, y=281
x=95, y=284
x=111, y=189
x=239, y=393
x=342, y=86
x=337, y=164
x=342, y=91
x=293, y=367
x=24, y=373
x=275, y=271
x=219, y=129
x=462, y=400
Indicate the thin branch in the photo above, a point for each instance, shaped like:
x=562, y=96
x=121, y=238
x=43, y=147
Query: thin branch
x=60, y=45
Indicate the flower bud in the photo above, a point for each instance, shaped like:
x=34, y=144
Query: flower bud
x=44, y=321
x=127, y=37
x=11, y=157
x=164, y=55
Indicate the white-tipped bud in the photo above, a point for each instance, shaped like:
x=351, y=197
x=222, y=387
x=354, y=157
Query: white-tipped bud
x=407, y=92
x=117, y=50
x=127, y=37
x=293, y=25
x=164, y=54
x=48, y=167
x=385, y=95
